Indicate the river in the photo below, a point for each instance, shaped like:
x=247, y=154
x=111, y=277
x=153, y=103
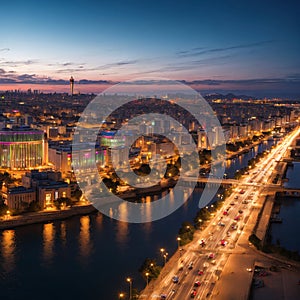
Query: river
x=288, y=232
x=89, y=257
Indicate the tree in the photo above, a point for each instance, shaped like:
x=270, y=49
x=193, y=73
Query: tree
x=3, y=209
x=34, y=206
x=150, y=266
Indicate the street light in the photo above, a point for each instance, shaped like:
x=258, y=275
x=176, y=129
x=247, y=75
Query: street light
x=165, y=257
x=129, y=280
x=147, y=276
x=178, y=243
x=121, y=295
x=162, y=250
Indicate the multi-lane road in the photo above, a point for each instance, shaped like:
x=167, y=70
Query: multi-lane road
x=221, y=235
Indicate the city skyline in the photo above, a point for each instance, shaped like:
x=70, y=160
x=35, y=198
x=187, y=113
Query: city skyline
x=213, y=47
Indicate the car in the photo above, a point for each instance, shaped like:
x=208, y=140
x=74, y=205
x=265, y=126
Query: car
x=200, y=272
x=234, y=226
x=190, y=266
x=225, y=213
x=228, y=233
x=221, y=224
x=236, y=197
x=175, y=279
x=245, y=202
x=237, y=218
x=197, y=283
x=193, y=293
x=240, y=211
x=202, y=242
x=211, y=256
x=232, y=203
x=223, y=243
x=163, y=296
x=242, y=191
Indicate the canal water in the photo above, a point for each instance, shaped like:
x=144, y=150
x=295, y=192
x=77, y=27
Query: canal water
x=89, y=257
x=288, y=232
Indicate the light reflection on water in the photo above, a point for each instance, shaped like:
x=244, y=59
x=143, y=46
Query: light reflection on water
x=8, y=247
x=48, y=242
x=85, y=244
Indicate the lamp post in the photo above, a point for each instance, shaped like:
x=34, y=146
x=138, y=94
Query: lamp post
x=121, y=295
x=129, y=280
x=165, y=258
x=147, y=276
x=178, y=244
x=162, y=250
x=200, y=221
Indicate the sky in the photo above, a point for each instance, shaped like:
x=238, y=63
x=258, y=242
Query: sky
x=245, y=47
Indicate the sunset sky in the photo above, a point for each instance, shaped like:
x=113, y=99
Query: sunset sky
x=248, y=47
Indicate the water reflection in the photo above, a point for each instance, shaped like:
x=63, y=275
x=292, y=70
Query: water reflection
x=99, y=220
x=8, y=247
x=63, y=233
x=122, y=227
x=48, y=242
x=84, y=236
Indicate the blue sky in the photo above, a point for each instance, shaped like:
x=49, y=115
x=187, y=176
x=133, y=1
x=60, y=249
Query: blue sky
x=238, y=46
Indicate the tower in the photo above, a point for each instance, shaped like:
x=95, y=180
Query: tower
x=72, y=85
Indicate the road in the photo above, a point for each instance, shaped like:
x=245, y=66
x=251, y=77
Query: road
x=240, y=204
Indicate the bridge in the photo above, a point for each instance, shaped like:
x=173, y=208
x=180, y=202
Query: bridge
x=211, y=181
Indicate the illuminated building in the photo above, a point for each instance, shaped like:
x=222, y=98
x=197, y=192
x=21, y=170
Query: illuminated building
x=85, y=156
x=22, y=148
x=48, y=186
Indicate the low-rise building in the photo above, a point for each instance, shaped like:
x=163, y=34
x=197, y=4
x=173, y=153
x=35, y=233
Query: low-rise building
x=18, y=198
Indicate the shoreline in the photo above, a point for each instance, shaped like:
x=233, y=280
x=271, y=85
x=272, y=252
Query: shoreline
x=46, y=216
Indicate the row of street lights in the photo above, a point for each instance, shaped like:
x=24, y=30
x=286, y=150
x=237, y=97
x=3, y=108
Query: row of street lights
x=147, y=274
x=122, y=295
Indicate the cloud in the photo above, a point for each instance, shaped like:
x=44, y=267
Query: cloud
x=195, y=51
x=188, y=65
x=4, y=49
x=18, y=63
x=12, y=78
x=117, y=64
x=287, y=80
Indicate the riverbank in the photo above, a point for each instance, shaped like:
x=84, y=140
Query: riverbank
x=45, y=216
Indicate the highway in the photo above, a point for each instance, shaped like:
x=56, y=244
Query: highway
x=221, y=227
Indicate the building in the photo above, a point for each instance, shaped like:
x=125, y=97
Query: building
x=18, y=198
x=47, y=185
x=85, y=156
x=22, y=148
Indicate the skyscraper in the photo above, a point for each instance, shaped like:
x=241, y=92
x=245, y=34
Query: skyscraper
x=72, y=85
